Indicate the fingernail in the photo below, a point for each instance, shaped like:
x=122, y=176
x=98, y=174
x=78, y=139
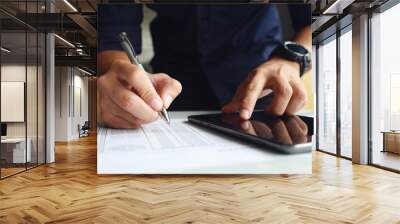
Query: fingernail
x=167, y=100
x=156, y=104
x=245, y=114
x=268, y=91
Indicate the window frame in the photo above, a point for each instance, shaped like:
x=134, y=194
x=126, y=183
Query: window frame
x=379, y=10
x=27, y=29
x=333, y=37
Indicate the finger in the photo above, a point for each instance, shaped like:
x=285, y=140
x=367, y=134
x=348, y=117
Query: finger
x=251, y=92
x=131, y=102
x=299, y=97
x=282, y=94
x=265, y=92
x=139, y=80
x=247, y=95
x=113, y=121
x=167, y=87
x=108, y=105
x=233, y=105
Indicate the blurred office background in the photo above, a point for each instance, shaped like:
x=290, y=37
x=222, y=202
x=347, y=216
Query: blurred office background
x=45, y=86
x=357, y=80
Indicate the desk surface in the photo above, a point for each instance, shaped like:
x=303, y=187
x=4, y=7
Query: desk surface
x=255, y=160
x=13, y=140
x=391, y=132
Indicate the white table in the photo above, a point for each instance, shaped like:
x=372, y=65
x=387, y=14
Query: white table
x=16, y=146
x=245, y=160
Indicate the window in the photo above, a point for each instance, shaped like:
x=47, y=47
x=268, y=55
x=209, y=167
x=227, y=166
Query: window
x=13, y=148
x=22, y=77
x=327, y=96
x=335, y=137
x=385, y=89
x=346, y=93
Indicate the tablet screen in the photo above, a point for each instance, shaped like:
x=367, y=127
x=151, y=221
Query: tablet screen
x=287, y=130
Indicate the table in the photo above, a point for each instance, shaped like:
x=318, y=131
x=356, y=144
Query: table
x=13, y=150
x=113, y=157
x=391, y=141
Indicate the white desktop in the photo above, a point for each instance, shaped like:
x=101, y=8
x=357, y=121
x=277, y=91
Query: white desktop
x=17, y=146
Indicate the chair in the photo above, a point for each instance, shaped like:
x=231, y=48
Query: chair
x=84, y=130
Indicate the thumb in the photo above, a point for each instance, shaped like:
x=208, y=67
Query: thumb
x=167, y=87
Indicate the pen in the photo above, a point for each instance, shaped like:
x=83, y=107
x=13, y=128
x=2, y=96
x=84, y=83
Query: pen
x=130, y=51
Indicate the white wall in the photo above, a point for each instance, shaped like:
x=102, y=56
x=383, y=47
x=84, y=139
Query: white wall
x=13, y=101
x=71, y=94
x=61, y=104
x=13, y=73
x=81, y=83
x=16, y=73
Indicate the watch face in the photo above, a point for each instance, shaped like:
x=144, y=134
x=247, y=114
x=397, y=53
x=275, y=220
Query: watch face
x=296, y=48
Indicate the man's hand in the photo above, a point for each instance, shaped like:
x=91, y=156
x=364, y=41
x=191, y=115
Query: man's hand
x=279, y=75
x=130, y=97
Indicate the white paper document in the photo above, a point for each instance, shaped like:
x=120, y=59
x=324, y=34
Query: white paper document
x=182, y=148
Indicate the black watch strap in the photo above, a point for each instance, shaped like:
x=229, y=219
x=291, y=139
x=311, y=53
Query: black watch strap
x=295, y=52
x=304, y=66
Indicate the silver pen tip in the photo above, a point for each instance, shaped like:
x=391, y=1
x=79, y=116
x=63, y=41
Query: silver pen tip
x=165, y=116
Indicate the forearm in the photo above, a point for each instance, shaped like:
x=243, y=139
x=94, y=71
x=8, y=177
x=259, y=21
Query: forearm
x=303, y=37
x=106, y=58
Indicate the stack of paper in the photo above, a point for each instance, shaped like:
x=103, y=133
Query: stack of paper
x=182, y=148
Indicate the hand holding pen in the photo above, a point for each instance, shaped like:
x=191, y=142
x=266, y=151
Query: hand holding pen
x=130, y=51
x=129, y=96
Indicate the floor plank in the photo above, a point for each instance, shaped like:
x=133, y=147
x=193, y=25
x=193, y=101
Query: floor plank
x=70, y=191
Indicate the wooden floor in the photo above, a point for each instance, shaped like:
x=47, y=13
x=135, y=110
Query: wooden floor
x=70, y=191
x=387, y=159
x=5, y=172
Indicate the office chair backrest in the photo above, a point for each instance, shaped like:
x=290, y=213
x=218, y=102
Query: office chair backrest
x=3, y=129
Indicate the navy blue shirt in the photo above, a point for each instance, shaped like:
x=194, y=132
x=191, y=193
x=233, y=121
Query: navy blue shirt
x=210, y=49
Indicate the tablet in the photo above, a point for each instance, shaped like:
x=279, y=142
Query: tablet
x=287, y=134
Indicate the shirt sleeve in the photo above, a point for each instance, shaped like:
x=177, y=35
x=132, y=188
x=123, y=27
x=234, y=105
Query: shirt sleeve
x=116, y=18
x=301, y=15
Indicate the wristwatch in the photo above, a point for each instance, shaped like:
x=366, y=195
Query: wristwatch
x=293, y=51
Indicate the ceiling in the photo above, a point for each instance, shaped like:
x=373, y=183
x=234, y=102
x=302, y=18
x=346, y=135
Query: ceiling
x=22, y=20
x=16, y=42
